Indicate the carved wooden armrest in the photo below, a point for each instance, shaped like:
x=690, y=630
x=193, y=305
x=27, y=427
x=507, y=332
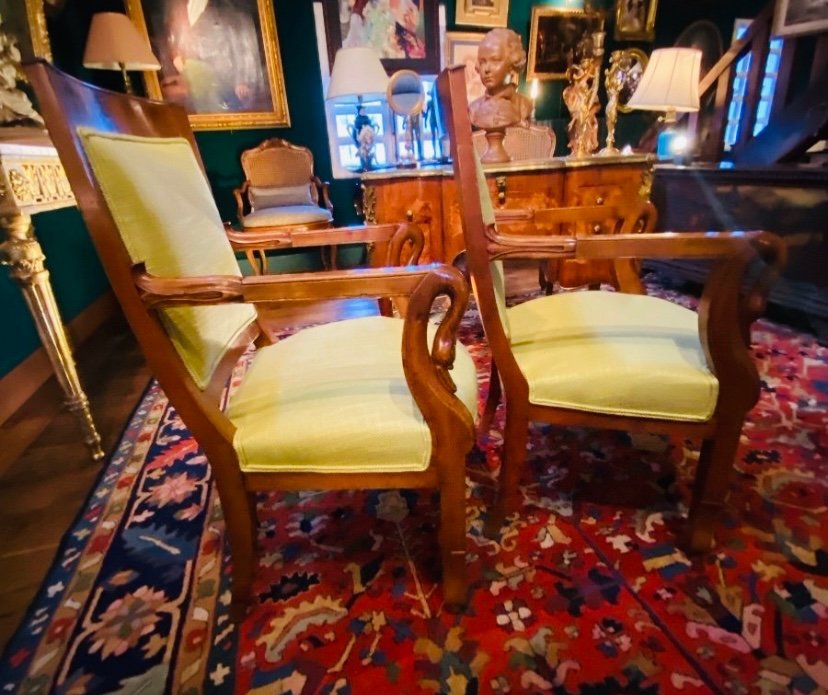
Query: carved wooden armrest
x=427, y=366
x=239, y=194
x=157, y=292
x=639, y=216
x=281, y=238
x=324, y=189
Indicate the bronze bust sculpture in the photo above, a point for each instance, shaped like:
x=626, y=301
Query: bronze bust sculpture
x=500, y=58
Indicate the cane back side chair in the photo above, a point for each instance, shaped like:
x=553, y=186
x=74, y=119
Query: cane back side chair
x=521, y=142
x=612, y=359
x=280, y=190
x=373, y=402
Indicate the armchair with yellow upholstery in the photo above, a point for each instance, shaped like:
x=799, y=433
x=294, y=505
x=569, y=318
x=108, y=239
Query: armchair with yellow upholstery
x=610, y=359
x=521, y=142
x=373, y=402
x=280, y=190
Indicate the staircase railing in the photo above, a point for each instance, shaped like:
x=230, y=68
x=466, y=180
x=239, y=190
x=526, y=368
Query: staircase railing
x=719, y=80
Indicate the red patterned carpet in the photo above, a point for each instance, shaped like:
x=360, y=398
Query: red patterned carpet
x=585, y=593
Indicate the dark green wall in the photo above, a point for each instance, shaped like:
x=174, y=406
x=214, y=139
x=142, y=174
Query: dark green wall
x=76, y=273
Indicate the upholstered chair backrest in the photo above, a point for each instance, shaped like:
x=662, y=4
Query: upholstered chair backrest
x=167, y=219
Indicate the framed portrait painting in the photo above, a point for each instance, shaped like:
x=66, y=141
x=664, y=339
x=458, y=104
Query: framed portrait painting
x=799, y=17
x=219, y=59
x=557, y=39
x=405, y=33
x=482, y=13
x=26, y=22
x=461, y=49
x=635, y=20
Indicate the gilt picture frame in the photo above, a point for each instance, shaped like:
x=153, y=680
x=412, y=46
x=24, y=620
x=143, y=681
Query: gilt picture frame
x=461, y=49
x=409, y=40
x=482, y=13
x=635, y=20
x=558, y=38
x=26, y=22
x=800, y=17
x=223, y=65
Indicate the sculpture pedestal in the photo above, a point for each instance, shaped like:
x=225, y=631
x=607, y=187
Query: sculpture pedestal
x=495, y=151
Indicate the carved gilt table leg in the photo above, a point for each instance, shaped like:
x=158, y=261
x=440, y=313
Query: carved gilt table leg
x=22, y=253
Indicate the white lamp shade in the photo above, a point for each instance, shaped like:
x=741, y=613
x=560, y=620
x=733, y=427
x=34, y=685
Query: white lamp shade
x=670, y=82
x=114, y=41
x=357, y=72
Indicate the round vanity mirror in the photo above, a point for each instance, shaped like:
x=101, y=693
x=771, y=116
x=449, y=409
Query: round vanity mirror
x=405, y=93
x=632, y=64
x=406, y=97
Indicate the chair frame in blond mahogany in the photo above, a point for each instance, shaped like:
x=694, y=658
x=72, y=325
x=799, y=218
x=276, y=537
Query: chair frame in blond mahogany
x=319, y=189
x=733, y=296
x=67, y=103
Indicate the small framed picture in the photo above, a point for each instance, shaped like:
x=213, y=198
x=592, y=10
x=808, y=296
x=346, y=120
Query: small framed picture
x=482, y=13
x=557, y=39
x=798, y=17
x=461, y=49
x=635, y=20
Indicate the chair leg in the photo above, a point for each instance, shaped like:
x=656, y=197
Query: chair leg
x=241, y=532
x=453, y=534
x=710, y=487
x=515, y=437
x=492, y=400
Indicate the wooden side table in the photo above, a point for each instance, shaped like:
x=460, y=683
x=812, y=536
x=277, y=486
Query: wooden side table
x=32, y=180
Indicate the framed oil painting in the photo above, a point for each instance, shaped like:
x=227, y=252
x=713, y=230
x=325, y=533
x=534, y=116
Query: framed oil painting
x=26, y=22
x=557, y=39
x=405, y=33
x=799, y=17
x=219, y=59
x=635, y=20
x=482, y=13
x=461, y=49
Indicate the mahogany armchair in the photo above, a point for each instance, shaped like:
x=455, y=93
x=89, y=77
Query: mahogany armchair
x=611, y=359
x=396, y=395
x=280, y=190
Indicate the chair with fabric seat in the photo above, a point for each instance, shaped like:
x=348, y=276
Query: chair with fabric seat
x=280, y=190
x=374, y=402
x=609, y=359
x=521, y=142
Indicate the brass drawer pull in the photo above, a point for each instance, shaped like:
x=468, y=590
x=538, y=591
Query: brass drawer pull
x=500, y=183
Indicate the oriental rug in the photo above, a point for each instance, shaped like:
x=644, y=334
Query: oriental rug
x=585, y=592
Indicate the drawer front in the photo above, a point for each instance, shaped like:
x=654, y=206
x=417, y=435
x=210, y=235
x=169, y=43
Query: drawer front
x=412, y=200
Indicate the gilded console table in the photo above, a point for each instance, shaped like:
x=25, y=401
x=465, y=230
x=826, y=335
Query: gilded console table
x=32, y=180
x=428, y=195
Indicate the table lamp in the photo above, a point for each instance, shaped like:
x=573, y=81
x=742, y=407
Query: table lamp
x=114, y=43
x=358, y=74
x=670, y=83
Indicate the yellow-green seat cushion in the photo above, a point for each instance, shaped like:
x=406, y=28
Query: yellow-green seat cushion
x=613, y=353
x=287, y=214
x=333, y=398
x=168, y=220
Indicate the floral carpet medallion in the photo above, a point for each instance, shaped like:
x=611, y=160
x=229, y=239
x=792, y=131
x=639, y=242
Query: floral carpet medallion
x=585, y=592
